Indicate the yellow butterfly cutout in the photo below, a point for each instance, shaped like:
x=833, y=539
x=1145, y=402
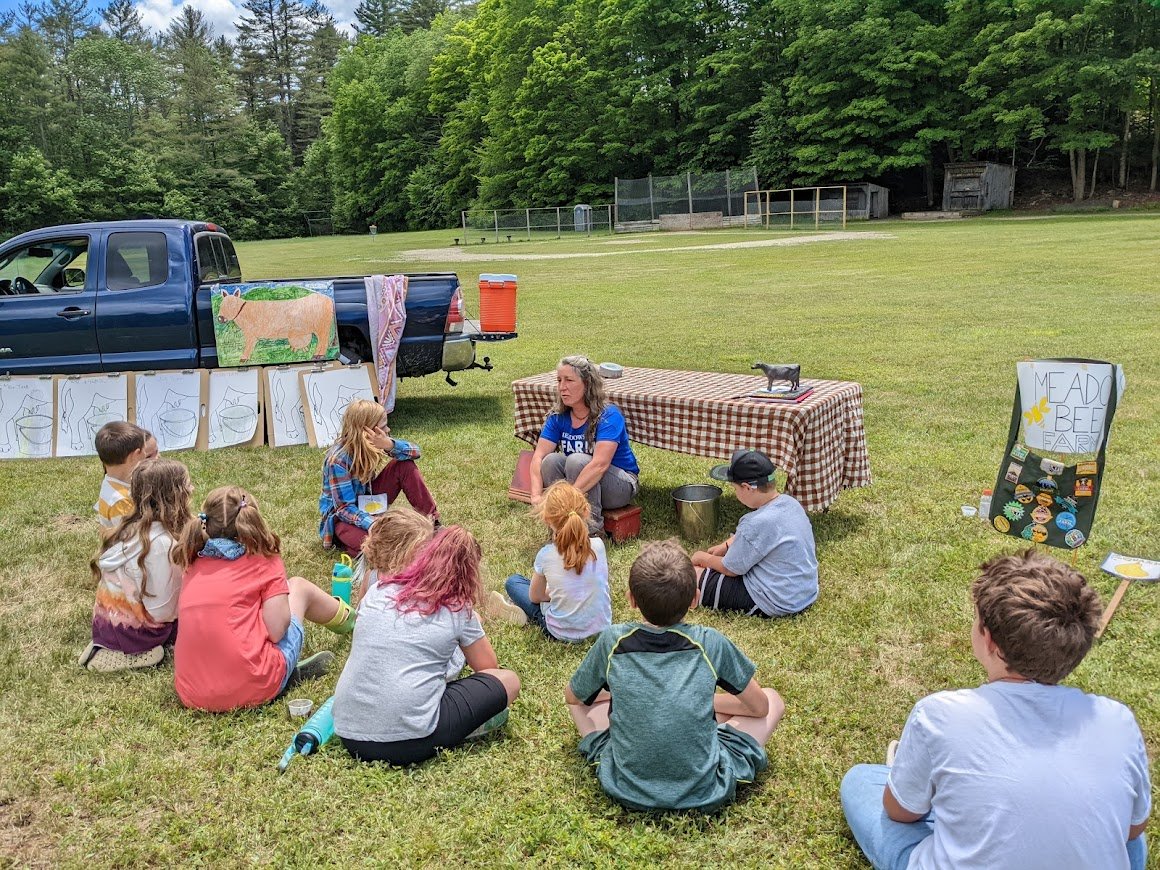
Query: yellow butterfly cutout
x=1035, y=415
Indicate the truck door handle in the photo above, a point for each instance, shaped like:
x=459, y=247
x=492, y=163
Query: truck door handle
x=72, y=312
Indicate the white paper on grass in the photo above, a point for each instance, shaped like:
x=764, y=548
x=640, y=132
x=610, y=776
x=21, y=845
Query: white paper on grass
x=232, y=407
x=26, y=422
x=1132, y=568
x=169, y=406
x=84, y=405
x=1065, y=403
x=329, y=392
x=287, y=416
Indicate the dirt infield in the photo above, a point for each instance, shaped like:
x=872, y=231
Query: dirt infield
x=469, y=255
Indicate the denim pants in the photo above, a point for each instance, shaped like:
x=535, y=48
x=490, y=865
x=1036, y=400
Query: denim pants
x=518, y=588
x=886, y=843
x=615, y=490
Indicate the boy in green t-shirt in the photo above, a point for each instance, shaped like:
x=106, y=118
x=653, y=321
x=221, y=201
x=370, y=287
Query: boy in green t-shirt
x=670, y=741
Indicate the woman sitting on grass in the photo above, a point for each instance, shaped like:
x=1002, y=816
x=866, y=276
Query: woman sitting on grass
x=393, y=702
x=135, y=615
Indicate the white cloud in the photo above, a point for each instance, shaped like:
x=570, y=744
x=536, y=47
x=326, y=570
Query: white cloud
x=223, y=14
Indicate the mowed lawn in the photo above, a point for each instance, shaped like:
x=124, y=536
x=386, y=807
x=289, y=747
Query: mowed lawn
x=112, y=771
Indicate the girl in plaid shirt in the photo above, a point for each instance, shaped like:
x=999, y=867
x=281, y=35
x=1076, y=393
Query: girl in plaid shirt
x=365, y=460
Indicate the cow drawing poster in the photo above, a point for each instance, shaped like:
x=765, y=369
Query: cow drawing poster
x=271, y=323
x=1064, y=403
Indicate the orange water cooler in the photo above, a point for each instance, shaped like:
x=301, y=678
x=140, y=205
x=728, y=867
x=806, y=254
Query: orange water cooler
x=497, y=303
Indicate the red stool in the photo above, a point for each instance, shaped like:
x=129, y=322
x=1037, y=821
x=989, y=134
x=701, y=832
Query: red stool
x=622, y=523
x=520, y=488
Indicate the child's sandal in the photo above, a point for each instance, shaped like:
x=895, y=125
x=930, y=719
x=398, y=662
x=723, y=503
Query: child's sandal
x=343, y=620
x=107, y=661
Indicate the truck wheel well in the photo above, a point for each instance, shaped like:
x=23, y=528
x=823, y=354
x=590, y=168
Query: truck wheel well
x=353, y=344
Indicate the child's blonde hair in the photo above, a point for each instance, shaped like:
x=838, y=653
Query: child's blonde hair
x=565, y=511
x=395, y=538
x=228, y=512
x=159, y=489
x=365, y=461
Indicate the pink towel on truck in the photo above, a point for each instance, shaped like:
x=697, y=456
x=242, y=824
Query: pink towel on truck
x=387, y=314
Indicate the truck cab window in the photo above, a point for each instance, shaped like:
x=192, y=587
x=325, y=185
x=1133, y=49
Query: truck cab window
x=136, y=260
x=45, y=267
x=216, y=259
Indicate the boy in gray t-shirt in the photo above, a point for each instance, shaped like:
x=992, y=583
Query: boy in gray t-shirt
x=670, y=740
x=769, y=566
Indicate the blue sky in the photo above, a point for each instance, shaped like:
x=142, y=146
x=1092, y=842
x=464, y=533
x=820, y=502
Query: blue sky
x=156, y=14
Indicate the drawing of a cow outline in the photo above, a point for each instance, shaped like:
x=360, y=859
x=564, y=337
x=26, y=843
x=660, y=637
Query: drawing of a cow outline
x=295, y=320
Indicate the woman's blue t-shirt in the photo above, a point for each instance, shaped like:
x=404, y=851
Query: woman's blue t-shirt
x=558, y=429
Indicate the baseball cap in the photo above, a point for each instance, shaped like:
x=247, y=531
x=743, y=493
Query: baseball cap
x=746, y=466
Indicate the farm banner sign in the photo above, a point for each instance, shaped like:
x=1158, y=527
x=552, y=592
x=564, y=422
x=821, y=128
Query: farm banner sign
x=1064, y=403
x=271, y=323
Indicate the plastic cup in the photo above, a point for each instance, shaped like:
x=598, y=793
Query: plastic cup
x=968, y=510
x=300, y=707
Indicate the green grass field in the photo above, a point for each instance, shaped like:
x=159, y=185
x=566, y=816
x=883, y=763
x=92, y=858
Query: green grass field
x=931, y=319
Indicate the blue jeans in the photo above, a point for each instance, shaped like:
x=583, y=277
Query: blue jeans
x=886, y=843
x=291, y=647
x=518, y=588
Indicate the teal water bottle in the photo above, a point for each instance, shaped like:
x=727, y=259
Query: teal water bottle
x=340, y=578
x=312, y=736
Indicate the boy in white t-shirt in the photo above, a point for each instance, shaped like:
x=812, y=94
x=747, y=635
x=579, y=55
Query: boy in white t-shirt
x=1021, y=772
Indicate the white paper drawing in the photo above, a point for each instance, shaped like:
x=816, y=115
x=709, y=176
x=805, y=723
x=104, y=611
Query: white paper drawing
x=233, y=406
x=287, y=415
x=169, y=406
x=25, y=418
x=84, y=405
x=329, y=393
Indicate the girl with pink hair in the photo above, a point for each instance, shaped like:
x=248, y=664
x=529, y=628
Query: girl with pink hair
x=393, y=702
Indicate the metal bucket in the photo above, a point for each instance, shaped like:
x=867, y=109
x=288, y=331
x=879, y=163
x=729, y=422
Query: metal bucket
x=696, y=505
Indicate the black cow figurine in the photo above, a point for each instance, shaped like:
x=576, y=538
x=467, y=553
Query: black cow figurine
x=791, y=373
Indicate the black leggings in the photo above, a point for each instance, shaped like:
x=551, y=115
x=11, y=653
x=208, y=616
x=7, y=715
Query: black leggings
x=466, y=704
x=719, y=592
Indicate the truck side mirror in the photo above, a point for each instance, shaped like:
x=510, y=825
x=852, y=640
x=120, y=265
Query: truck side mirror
x=74, y=277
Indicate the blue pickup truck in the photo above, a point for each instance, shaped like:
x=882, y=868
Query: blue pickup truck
x=135, y=295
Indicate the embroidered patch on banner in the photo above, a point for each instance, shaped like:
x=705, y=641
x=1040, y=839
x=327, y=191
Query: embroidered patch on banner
x=1084, y=487
x=1019, y=452
x=1013, y=511
x=1013, y=472
x=1023, y=495
x=1073, y=538
x=1067, y=503
x=1087, y=469
x=1044, y=498
x=1041, y=515
x=1047, y=484
x=1050, y=466
x=1065, y=521
x=1038, y=533
x=1002, y=525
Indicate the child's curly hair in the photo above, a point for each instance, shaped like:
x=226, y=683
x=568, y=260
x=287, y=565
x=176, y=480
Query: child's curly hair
x=395, y=538
x=160, y=492
x=228, y=512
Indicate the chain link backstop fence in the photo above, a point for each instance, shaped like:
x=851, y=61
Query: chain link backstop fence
x=645, y=201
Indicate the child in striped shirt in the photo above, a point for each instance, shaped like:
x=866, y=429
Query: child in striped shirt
x=121, y=447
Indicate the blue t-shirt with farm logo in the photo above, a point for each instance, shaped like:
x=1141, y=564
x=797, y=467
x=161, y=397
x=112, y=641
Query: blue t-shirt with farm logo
x=558, y=429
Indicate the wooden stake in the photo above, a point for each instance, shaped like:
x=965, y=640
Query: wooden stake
x=1112, y=605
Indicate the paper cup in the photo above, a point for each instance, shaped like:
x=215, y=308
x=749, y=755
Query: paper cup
x=301, y=707
x=969, y=510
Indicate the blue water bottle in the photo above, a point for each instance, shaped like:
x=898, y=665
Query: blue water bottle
x=340, y=578
x=318, y=729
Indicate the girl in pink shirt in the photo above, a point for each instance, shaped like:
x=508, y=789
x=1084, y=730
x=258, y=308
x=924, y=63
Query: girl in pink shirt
x=241, y=619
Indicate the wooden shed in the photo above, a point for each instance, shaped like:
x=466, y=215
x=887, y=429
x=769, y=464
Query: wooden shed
x=978, y=187
x=867, y=201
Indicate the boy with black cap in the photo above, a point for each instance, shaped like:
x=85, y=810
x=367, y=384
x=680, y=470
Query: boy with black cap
x=769, y=566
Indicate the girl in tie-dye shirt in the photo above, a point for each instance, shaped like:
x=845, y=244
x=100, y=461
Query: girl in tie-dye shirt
x=135, y=614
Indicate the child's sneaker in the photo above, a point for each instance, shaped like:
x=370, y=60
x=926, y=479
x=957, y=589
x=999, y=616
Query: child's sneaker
x=503, y=609
x=107, y=661
x=343, y=621
x=311, y=668
x=496, y=721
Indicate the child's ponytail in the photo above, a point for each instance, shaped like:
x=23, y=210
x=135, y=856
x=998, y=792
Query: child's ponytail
x=229, y=512
x=565, y=511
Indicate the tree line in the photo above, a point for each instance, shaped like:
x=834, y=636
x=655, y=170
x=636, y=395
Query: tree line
x=433, y=106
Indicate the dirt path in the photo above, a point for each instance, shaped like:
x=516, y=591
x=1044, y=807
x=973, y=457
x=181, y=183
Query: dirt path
x=465, y=254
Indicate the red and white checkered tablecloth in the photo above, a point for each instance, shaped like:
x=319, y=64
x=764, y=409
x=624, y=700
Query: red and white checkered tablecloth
x=819, y=442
